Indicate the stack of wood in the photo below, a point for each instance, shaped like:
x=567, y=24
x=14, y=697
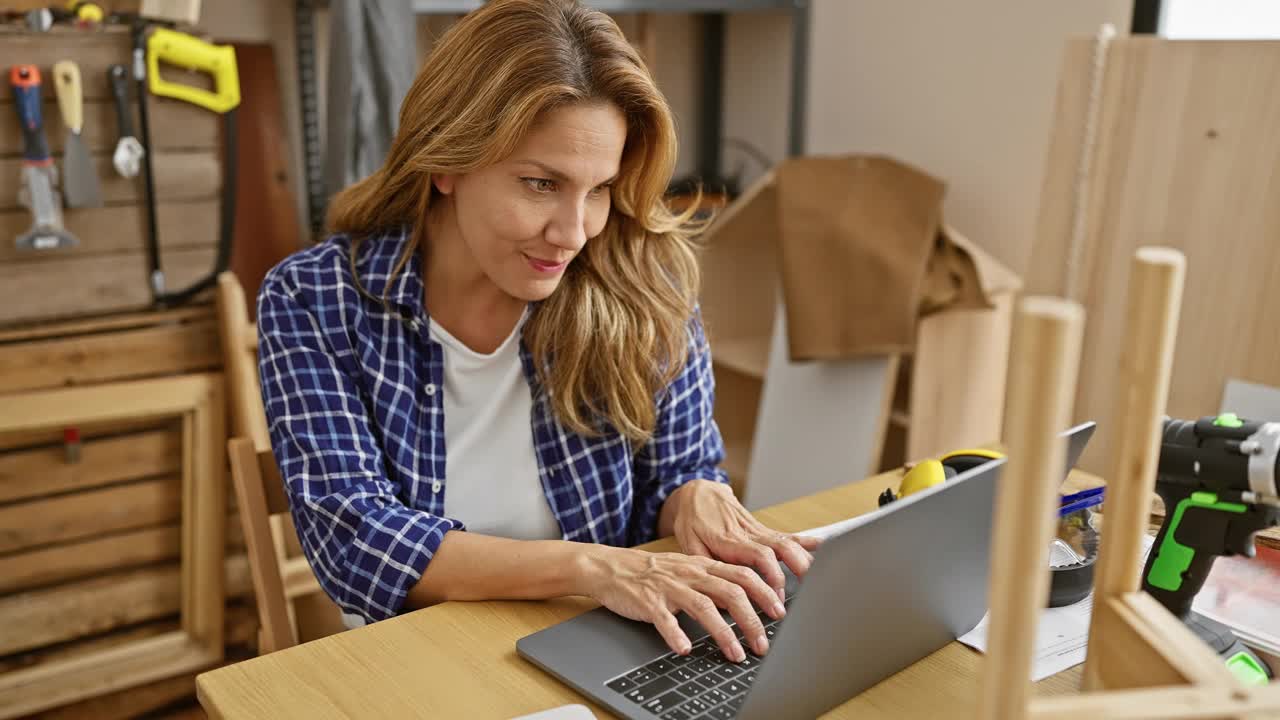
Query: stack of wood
x=90, y=530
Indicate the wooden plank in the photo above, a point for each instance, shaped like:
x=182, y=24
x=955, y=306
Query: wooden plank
x=86, y=514
x=92, y=51
x=44, y=471
x=175, y=125
x=240, y=358
x=105, y=323
x=1169, y=653
x=1179, y=703
x=29, y=439
x=1155, y=299
x=92, y=285
x=156, y=697
x=179, y=395
x=129, y=703
x=1190, y=163
x=179, y=176
x=160, y=350
x=182, y=224
x=247, y=480
x=139, y=663
x=317, y=616
x=82, y=559
x=242, y=629
x=1042, y=373
x=43, y=617
x=299, y=579
x=187, y=711
x=958, y=379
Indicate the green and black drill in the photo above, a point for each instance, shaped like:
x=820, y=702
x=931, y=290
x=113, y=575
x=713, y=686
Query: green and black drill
x=1219, y=478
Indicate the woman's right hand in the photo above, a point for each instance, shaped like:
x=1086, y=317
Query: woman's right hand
x=653, y=587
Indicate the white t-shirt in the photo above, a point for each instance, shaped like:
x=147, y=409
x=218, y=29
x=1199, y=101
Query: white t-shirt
x=491, y=473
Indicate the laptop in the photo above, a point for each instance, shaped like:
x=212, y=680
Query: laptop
x=876, y=599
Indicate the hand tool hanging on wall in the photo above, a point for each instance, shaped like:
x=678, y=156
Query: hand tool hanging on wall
x=79, y=176
x=219, y=61
x=39, y=20
x=85, y=14
x=127, y=157
x=39, y=190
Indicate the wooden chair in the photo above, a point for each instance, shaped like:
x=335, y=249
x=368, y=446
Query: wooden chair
x=280, y=574
x=1142, y=662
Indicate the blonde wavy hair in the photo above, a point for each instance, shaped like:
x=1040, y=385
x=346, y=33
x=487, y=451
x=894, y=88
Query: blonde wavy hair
x=614, y=333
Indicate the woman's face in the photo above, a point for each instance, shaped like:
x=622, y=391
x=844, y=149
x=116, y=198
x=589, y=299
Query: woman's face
x=524, y=219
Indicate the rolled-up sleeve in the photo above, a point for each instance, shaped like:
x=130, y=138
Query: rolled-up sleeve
x=686, y=444
x=366, y=547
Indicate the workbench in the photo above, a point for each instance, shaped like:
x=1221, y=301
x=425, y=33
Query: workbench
x=458, y=659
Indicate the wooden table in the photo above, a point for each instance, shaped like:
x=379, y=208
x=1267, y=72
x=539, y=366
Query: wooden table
x=458, y=660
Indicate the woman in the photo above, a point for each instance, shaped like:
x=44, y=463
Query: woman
x=501, y=337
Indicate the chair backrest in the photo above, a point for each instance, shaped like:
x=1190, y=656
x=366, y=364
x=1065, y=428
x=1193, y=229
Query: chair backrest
x=240, y=357
x=280, y=574
x=260, y=495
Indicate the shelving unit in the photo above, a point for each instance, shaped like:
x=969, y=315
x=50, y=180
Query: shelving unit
x=711, y=72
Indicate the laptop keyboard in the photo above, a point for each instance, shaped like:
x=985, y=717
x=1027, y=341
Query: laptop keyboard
x=702, y=684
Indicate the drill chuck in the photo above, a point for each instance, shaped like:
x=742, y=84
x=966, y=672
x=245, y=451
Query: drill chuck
x=1222, y=453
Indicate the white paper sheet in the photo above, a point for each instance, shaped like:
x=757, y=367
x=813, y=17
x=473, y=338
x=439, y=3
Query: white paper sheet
x=1062, y=635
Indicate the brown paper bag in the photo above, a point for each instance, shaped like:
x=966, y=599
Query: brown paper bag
x=861, y=251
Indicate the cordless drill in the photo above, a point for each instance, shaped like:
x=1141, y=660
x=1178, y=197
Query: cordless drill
x=1219, y=478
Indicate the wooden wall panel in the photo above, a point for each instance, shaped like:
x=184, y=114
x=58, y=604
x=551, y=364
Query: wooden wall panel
x=87, y=514
x=182, y=225
x=175, y=125
x=27, y=474
x=192, y=175
x=108, y=271
x=1186, y=157
x=75, y=287
x=83, y=559
x=126, y=354
x=65, y=612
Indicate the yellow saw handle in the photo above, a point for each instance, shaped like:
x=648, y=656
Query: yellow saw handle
x=192, y=53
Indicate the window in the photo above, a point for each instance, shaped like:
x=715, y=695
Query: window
x=1209, y=19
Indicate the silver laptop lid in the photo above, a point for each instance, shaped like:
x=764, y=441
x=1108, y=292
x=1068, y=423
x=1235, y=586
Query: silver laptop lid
x=886, y=594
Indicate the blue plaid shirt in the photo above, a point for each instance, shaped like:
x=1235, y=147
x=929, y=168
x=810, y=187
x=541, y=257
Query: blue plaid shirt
x=354, y=401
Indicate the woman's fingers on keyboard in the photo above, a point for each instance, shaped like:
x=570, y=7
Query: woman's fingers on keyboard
x=736, y=600
x=757, y=589
x=704, y=610
x=669, y=628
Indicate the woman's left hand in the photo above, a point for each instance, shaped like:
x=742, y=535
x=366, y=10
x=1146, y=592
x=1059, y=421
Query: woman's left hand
x=709, y=521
